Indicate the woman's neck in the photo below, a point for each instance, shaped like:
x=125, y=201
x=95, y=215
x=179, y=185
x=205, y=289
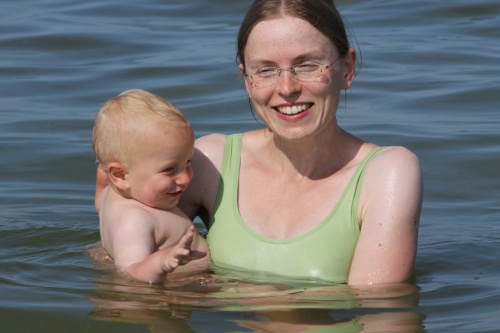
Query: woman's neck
x=314, y=157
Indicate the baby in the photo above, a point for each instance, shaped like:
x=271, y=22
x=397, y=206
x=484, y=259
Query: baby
x=144, y=146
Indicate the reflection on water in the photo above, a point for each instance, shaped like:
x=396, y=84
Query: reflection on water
x=255, y=303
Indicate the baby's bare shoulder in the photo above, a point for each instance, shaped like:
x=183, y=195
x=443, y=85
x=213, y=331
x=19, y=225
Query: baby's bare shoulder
x=170, y=226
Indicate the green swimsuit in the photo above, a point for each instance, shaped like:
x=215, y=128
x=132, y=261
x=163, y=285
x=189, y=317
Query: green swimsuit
x=324, y=253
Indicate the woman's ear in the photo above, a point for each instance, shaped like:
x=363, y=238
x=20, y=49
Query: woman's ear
x=118, y=175
x=350, y=68
x=247, y=86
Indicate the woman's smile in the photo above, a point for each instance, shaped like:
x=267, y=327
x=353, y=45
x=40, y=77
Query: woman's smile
x=293, y=109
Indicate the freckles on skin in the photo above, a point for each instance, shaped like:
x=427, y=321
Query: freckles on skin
x=284, y=42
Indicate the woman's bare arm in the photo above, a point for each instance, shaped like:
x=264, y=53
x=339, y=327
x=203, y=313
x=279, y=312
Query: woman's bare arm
x=199, y=197
x=389, y=211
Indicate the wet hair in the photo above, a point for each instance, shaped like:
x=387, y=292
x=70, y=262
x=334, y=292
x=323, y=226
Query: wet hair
x=123, y=118
x=321, y=14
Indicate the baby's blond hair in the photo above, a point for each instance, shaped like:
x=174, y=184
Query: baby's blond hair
x=125, y=116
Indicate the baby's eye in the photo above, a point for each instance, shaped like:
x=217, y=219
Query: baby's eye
x=169, y=170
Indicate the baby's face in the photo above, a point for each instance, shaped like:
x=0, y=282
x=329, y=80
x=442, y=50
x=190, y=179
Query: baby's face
x=160, y=169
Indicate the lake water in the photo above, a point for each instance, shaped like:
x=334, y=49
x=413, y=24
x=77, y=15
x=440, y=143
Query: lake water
x=430, y=81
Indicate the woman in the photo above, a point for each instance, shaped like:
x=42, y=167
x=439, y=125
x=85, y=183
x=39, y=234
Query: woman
x=302, y=197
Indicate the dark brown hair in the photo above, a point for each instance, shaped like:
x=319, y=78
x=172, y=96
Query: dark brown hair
x=321, y=14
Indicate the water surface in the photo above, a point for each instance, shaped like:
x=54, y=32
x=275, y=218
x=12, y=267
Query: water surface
x=429, y=81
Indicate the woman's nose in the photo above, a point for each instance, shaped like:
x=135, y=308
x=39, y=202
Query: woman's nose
x=287, y=83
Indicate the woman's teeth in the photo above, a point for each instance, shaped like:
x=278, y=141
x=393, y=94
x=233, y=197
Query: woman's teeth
x=292, y=109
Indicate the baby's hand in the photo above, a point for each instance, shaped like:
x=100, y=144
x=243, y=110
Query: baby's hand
x=181, y=253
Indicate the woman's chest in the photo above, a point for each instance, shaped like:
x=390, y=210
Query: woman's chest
x=281, y=208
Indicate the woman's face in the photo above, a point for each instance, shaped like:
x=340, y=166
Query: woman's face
x=291, y=108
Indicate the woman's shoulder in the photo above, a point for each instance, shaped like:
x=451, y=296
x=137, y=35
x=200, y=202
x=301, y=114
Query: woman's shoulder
x=207, y=165
x=393, y=166
x=210, y=149
x=395, y=157
x=210, y=141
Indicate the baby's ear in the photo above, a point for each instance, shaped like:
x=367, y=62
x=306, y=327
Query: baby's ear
x=118, y=175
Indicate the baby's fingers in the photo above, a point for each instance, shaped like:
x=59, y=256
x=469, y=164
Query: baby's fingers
x=187, y=239
x=178, y=257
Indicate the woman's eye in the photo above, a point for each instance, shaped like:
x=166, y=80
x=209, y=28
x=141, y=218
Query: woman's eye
x=304, y=68
x=265, y=72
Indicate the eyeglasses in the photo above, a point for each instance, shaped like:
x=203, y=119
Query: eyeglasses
x=306, y=72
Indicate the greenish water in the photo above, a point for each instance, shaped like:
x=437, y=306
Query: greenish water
x=429, y=81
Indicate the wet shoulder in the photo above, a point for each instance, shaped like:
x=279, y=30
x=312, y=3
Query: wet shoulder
x=210, y=149
x=394, y=157
x=392, y=164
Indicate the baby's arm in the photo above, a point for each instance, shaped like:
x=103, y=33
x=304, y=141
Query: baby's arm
x=157, y=265
x=135, y=253
x=169, y=259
